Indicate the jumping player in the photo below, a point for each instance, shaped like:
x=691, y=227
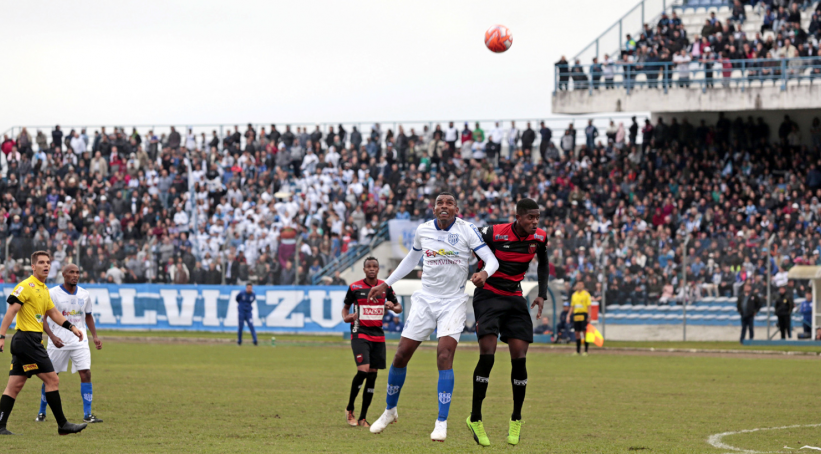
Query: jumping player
x=74, y=303
x=579, y=310
x=500, y=308
x=367, y=337
x=445, y=244
x=30, y=302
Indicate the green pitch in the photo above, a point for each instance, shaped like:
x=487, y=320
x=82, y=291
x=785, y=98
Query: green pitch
x=220, y=398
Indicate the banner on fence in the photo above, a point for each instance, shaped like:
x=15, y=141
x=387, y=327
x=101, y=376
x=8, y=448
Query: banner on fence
x=402, y=233
x=213, y=307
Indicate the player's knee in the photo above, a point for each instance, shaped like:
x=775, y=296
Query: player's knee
x=444, y=359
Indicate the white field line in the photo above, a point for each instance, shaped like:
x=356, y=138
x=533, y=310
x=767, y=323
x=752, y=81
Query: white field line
x=715, y=440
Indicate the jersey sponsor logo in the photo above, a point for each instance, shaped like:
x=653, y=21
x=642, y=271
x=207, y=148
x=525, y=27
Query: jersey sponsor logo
x=28, y=367
x=538, y=237
x=481, y=379
x=506, y=246
x=355, y=286
x=444, y=398
x=73, y=312
x=39, y=318
x=393, y=389
x=519, y=382
x=442, y=262
x=372, y=310
x=532, y=248
x=500, y=237
x=453, y=238
x=18, y=291
x=442, y=252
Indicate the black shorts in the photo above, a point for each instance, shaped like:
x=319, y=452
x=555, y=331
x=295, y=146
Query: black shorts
x=505, y=316
x=368, y=352
x=579, y=326
x=28, y=355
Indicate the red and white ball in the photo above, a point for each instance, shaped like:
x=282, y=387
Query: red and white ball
x=498, y=38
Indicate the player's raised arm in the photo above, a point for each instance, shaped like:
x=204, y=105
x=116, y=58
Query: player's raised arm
x=405, y=266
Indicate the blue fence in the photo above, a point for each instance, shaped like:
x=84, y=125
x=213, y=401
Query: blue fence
x=214, y=308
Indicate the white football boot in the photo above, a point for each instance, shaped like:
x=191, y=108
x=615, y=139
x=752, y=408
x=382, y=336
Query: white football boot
x=388, y=417
x=440, y=432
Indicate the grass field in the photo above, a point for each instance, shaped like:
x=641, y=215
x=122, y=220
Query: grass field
x=158, y=397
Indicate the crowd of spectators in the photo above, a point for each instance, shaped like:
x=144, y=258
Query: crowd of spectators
x=667, y=55
x=273, y=207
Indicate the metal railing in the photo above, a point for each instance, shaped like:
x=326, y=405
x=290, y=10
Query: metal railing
x=353, y=255
x=556, y=123
x=701, y=74
x=631, y=22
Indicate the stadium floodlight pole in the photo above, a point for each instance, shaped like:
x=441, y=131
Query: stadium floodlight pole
x=684, y=286
x=769, y=276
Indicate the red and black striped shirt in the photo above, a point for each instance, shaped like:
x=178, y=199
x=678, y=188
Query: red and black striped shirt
x=368, y=325
x=514, y=254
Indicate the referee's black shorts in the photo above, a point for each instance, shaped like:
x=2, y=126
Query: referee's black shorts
x=580, y=325
x=505, y=316
x=28, y=355
x=368, y=352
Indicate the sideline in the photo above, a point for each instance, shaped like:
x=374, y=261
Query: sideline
x=715, y=440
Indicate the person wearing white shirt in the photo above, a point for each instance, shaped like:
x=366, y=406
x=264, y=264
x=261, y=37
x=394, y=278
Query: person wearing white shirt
x=512, y=140
x=494, y=144
x=332, y=157
x=309, y=163
x=78, y=144
x=446, y=245
x=451, y=136
x=181, y=219
x=682, y=61
x=191, y=140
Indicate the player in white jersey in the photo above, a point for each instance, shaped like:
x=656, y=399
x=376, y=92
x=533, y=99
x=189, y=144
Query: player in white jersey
x=446, y=244
x=74, y=303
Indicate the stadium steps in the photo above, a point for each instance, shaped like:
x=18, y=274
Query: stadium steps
x=707, y=312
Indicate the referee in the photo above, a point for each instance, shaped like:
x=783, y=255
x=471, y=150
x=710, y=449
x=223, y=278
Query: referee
x=578, y=313
x=30, y=301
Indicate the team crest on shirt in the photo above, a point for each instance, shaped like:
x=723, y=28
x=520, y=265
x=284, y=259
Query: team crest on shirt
x=31, y=284
x=532, y=248
x=453, y=238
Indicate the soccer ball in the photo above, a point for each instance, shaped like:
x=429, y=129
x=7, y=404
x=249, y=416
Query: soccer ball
x=498, y=38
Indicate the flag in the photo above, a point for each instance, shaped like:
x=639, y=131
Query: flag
x=593, y=336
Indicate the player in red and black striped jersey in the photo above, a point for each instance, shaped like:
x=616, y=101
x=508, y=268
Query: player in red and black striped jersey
x=501, y=310
x=367, y=336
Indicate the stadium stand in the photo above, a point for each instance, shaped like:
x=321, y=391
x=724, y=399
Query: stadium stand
x=618, y=205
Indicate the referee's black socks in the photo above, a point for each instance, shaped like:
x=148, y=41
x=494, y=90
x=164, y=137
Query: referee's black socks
x=585, y=345
x=480, y=381
x=355, y=385
x=56, y=405
x=518, y=378
x=6, y=404
x=578, y=345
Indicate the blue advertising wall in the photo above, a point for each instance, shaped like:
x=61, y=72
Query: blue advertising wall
x=213, y=307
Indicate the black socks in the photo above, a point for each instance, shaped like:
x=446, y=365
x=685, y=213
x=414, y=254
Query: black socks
x=585, y=346
x=480, y=382
x=518, y=377
x=578, y=345
x=6, y=405
x=355, y=385
x=56, y=405
x=367, y=396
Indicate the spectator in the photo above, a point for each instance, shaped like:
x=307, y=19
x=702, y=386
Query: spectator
x=748, y=305
x=784, y=307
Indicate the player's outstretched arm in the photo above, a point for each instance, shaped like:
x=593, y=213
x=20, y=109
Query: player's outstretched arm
x=56, y=341
x=60, y=320
x=93, y=328
x=405, y=266
x=10, y=314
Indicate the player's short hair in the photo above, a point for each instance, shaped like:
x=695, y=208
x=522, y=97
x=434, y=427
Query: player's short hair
x=368, y=259
x=445, y=193
x=526, y=205
x=38, y=254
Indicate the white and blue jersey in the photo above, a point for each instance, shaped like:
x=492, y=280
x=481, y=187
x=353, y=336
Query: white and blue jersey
x=445, y=255
x=74, y=307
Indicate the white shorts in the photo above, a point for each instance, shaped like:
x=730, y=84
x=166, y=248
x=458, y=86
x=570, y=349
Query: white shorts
x=80, y=359
x=430, y=312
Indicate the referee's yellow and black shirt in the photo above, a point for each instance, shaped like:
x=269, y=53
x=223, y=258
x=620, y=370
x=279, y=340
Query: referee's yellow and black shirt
x=580, y=302
x=35, y=300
